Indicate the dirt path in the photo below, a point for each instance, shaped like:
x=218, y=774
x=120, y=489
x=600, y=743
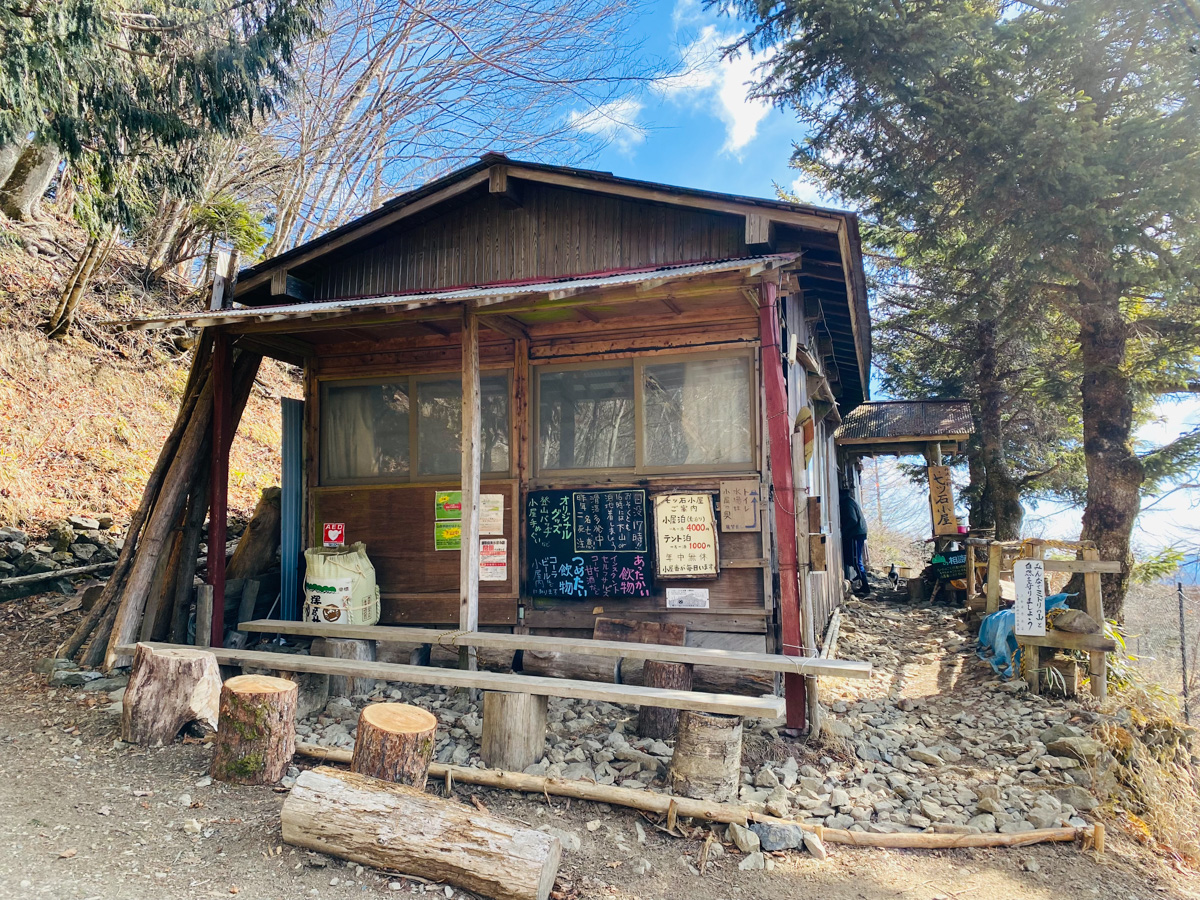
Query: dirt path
x=82, y=818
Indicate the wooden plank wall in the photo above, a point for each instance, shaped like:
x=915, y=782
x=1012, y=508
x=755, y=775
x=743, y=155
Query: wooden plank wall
x=554, y=232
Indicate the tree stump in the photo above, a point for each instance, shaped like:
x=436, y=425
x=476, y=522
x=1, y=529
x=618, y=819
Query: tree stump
x=660, y=721
x=395, y=743
x=256, y=736
x=707, y=764
x=514, y=730
x=397, y=827
x=347, y=648
x=167, y=690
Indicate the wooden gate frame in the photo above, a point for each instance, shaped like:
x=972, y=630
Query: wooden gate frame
x=1091, y=567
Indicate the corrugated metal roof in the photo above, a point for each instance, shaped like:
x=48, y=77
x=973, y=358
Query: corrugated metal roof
x=903, y=420
x=484, y=295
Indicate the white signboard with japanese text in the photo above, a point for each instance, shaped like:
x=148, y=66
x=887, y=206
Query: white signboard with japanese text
x=685, y=536
x=741, y=506
x=687, y=598
x=491, y=514
x=1029, y=576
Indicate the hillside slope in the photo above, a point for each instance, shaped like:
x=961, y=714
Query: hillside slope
x=82, y=419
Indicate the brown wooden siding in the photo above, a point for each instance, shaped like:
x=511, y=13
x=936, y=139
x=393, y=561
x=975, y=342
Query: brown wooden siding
x=554, y=232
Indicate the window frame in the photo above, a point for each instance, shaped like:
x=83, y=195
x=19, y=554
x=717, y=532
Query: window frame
x=638, y=362
x=412, y=379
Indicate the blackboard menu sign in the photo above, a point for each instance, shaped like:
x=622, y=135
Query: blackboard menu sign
x=587, y=544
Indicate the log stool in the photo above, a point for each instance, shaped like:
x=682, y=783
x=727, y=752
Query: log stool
x=395, y=743
x=256, y=735
x=707, y=763
x=167, y=690
x=514, y=730
x=660, y=721
x=348, y=648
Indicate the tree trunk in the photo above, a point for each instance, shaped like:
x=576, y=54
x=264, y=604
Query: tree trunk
x=30, y=177
x=660, y=721
x=256, y=735
x=93, y=257
x=185, y=576
x=1114, y=472
x=347, y=648
x=167, y=690
x=9, y=154
x=397, y=827
x=707, y=764
x=395, y=743
x=514, y=730
x=999, y=499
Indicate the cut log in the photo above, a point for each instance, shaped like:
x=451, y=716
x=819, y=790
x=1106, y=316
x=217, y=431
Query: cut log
x=167, y=690
x=259, y=543
x=707, y=761
x=312, y=690
x=397, y=827
x=660, y=721
x=639, y=632
x=345, y=648
x=395, y=743
x=256, y=735
x=514, y=730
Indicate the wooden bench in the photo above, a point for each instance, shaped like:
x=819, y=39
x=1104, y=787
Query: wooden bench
x=734, y=659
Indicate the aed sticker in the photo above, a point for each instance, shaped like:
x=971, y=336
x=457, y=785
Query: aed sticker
x=687, y=598
x=334, y=534
x=493, y=559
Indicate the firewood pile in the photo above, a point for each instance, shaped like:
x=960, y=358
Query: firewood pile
x=149, y=593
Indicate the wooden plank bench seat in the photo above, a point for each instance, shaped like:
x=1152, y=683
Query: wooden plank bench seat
x=733, y=659
x=727, y=704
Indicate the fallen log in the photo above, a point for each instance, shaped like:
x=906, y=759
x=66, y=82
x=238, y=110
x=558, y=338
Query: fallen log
x=259, y=543
x=727, y=813
x=57, y=573
x=395, y=826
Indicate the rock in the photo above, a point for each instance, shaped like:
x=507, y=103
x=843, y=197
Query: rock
x=1055, y=732
x=1043, y=818
x=61, y=537
x=815, y=846
x=83, y=552
x=778, y=837
x=107, y=684
x=1076, y=621
x=104, y=522
x=1015, y=686
x=642, y=866
x=69, y=678
x=1082, y=748
x=838, y=728
x=594, y=825
x=839, y=798
x=766, y=778
x=570, y=840
x=753, y=862
x=743, y=838
x=1031, y=865
x=991, y=805
x=1018, y=827
x=1076, y=797
x=51, y=664
x=922, y=755
x=985, y=823
x=15, y=535
x=191, y=826
x=84, y=523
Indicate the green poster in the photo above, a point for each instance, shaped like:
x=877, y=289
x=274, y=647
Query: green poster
x=447, y=535
x=447, y=506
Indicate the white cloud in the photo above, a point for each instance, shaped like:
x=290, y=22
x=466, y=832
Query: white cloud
x=709, y=79
x=807, y=191
x=615, y=122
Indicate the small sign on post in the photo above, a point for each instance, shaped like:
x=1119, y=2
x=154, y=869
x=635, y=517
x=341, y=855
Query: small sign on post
x=1029, y=576
x=941, y=501
x=334, y=534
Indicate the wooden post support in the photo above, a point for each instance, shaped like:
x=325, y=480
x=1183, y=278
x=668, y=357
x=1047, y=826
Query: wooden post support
x=348, y=648
x=395, y=743
x=660, y=721
x=995, y=558
x=218, y=485
x=468, y=572
x=514, y=730
x=256, y=735
x=971, y=587
x=397, y=827
x=780, y=435
x=707, y=764
x=1094, y=600
x=167, y=690
x=204, y=615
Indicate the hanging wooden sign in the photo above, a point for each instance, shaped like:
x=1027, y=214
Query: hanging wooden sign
x=685, y=536
x=941, y=501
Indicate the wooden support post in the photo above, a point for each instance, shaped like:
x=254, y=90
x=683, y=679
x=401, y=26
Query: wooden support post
x=1094, y=600
x=660, y=721
x=204, y=615
x=707, y=764
x=167, y=690
x=780, y=434
x=514, y=730
x=256, y=735
x=468, y=573
x=395, y=743
x=347, y=648
x=397, y=827
x=219, y=481
x=971, y=587
x=995, y=558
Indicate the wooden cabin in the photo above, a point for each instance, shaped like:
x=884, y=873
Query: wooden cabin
x=650, y=378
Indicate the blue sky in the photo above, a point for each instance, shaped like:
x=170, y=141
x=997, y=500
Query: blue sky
x=700, y=131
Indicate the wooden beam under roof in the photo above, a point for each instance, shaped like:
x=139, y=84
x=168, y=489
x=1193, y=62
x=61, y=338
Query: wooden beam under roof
x=506, y=325
x=500, y=185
